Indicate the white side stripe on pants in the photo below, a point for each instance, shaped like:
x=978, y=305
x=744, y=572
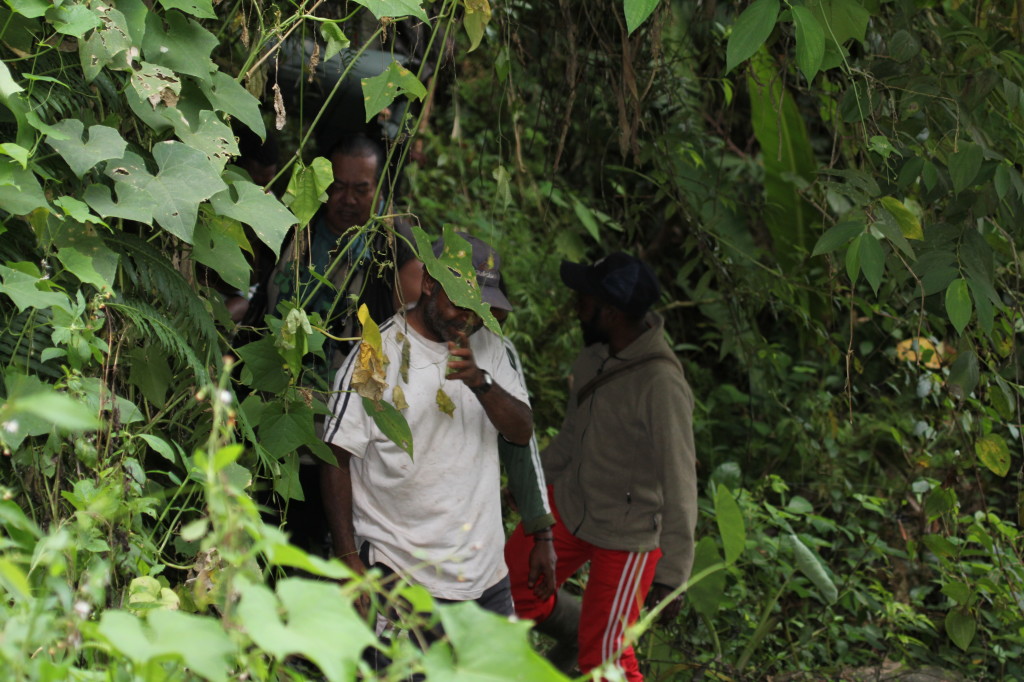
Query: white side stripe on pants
x=625, y=593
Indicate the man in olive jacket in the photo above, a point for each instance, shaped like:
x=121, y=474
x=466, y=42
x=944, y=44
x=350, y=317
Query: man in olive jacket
x=621, y=473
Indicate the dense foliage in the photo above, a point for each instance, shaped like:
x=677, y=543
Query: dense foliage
x=830, y=190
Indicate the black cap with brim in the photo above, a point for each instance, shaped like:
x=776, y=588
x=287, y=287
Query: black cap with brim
x=619, y=279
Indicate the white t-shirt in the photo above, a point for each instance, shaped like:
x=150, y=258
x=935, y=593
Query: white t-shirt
x=436, y=517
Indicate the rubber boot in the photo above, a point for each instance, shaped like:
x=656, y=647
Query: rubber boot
x=563, y=625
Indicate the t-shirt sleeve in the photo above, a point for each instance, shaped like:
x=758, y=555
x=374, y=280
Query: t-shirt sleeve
x=506, y=370
x=348, y=427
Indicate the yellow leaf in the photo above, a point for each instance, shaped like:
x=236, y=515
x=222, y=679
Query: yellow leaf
x=908, y=350
x=368, y=378
x=445, y=404
x=398, y=398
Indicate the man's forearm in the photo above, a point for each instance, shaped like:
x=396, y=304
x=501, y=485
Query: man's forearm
x=336, y=490
x=512, y=417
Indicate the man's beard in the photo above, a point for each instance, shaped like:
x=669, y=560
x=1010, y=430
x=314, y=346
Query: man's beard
x=448, y=330
x=592, y=332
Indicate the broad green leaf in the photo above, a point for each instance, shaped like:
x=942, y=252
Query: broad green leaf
x=263, y=368
x=964, y=165
x=810, y=41
x=58, y=409
x=391, y=423
x=454, y=271
x=150, y=372
x=16, y=152
x=910, y=226
x=811, y=566
x=380, y=91
x=227, y=95
x=993, y=453
x=197, y=8
x=1001, y=179
x=286, y=432
x=587, y=218
x=478, y=15
x=336, y=40
x=708, y=593
x=307, y=188
x=24, y=289
x=872, y=261
x=887, y=225
x=99, y=398
x=217, y=243
x=853, y=257
x=249, y=204
x=504, y=190
x=184, y=47
x=104, y=143
x=291, y=338
x=20, y=192
x=199, y=642
x=957, y=591
x=730, y=524
x=81, y=265
x=958, y=304
x=159, y=445
x=473, y=655
x=30, y=8
x=73, y=20
x=940, y=501
x=394, y=8
x=171, y=197
x=751, y=29
x=309, y=619
x=939, y=546
x=842, y=20
x=636, y=12
x=961, y=626
x=76, y=210
x=14, y=580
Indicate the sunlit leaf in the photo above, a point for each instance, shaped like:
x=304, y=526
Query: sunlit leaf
x=478, y=15
x=910, y=226
x=993, y=453
x=380, y=91
x=751, y=29
x=636, y=12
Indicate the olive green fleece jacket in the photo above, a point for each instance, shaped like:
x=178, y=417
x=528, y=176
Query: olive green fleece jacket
x=623, y=466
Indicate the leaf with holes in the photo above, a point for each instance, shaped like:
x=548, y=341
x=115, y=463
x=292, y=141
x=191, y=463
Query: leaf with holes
x=212, y=136
x=227, y=95
x=197, y=8
x=184, y=47
x=104, y=144
x=380, y=91
x=156, y=84
x=171, y=197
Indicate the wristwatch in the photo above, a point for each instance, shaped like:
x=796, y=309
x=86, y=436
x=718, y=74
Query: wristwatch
x=485, y=385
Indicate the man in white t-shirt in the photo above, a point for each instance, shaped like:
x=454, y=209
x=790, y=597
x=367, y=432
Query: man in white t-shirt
x=433, y=518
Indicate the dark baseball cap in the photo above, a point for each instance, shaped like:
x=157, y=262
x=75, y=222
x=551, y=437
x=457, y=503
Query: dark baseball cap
x=487, y=264
x=619, y=279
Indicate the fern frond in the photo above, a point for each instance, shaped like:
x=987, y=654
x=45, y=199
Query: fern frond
x=152, y=324
x=153, y=275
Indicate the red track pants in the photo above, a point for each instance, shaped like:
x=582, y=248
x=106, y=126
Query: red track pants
x=615, y=592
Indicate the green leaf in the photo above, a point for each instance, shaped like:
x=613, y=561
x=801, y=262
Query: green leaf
x=58, y=409
x=20, y=192
x=16, y=152
x=286, y=432
x=227, y=95
x=184, y=47
x=993, y=453
x=83, y=266
x=380, y=91
x=24, y=289
x=636, y=12
x=751, y=29
x=336, y=40
x=263, y=212
x=810, y=41
x=939, y=546
x=394, y=8
x=455, y=272
x=963, y=375
x=843, y=19
x=853, y=257
x=160, y=446
x=872, y=261
x=478, y=15
x=587, y=218
x=473, y=632
x=1001, y=179
x=910, y=226
x=263, y=367
x=151, y=373
x=77, y=210
x=982, y=304
x=156, y=84
x=958, y=304
x=961, y=626
x=808, y=563
x=940, y=501
x=391, y=423
x=307, y=188
x=964, y=165
x=108, y=46
x=171, y=197
x=197, y=8
x=217, y=243
x=73, y=20
x=730, y=524
x=707, y=594
x=104, y=144
x=32, y=9
x=199, y=642
x=308, y=619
